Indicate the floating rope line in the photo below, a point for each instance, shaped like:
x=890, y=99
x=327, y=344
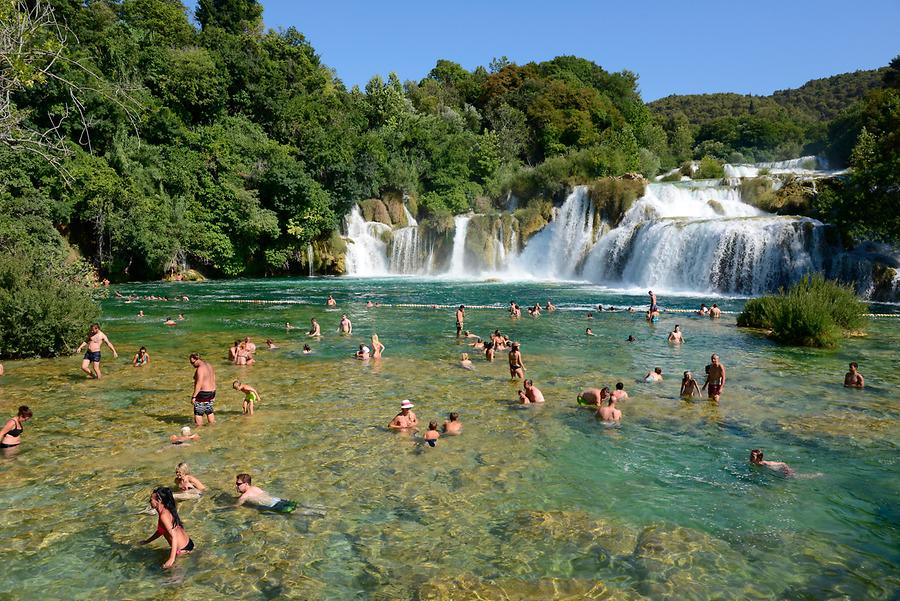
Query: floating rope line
x=442, y=306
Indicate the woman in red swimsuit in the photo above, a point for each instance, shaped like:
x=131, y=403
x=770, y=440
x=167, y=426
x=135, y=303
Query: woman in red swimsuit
x=169, y=525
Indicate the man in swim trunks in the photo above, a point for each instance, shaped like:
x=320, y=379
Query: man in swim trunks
x=531, y=391
x=91, y=363
x=675, y=335
x=654, y=308
x=460, y=319
x=715, y=379
x=315, y=329
x=516, y=365
x=854, y=379
x=406, y=419
x=715, y=312
x=609, y=413
x=204, y=390
x=257, y=496
x=346, y=325
x=331, y=302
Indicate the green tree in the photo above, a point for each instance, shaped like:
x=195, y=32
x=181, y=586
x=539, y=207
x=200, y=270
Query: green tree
x=233, y=16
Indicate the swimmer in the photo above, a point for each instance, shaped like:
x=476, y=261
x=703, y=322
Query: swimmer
x=619, y=393
x=854, y=379
x=363, y=352
x=233, y=351
x=141, y=357
x=478, y=344
x=11, y=433
x=533, y=393
x=550, y=306
x=186, y=482
x=346, y=326
x=169, y=525
x=489, y=352
x=516, y=365
x=460, y=319
x=609, y=413
x=689, y=386
x=141, y=313
x=170, y=322
x=315, y=330
x=258, y=497
x=91, y=363
x=593, y=396
x=377, y=347
x=330, y=302
x=589, y=332
x=452, y=427
x=432, y=435
x=654, y=376
x=406, y=419
x=251, y=348
x=715, y=379
x=465, y=362
x=270, y=344
x=704, y=310
x=675, y=335
x=631, y=338
x=244, y=356
x=715, y=312
x=306, y=349
x=523, y=398
x=590, y=315
x=181, y=317
x=251, y=396
x=288, y=326
x=369, y=305
x=756, y=458
x=468, y=334
x=186, y=436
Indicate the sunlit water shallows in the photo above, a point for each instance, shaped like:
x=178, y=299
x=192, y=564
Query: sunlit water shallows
x=527, y=504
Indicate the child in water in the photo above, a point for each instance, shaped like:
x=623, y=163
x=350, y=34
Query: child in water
x=432, y=435
x=186, y=436
x=689, y=386
x=257, y=496
x=251, y=395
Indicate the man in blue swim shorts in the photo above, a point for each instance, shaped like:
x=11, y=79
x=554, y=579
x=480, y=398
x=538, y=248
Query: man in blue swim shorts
x=91, y=362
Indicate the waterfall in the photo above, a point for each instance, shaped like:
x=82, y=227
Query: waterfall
x=366, y=248
x=405, y=247
x=457, y=259
x=558, y=249
x=309, y=258
x=500, y=248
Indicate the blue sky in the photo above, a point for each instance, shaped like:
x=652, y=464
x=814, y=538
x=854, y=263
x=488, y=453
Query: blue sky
x=675, y=47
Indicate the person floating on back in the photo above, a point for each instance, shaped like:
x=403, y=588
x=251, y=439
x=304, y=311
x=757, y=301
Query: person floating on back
x=260, y=498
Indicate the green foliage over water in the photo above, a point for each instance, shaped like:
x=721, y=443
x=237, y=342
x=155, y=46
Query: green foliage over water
x=815, y=312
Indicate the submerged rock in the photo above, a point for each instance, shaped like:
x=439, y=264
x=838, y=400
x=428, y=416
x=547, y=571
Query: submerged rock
x=467, y=587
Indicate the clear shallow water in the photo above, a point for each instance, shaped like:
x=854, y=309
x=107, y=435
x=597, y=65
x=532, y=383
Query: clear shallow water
x=527, y=504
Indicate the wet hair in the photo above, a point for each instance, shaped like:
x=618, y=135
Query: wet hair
x=631, y=338
x=756, y=455
x=164, y=494
x=658, y=370
x=306, y=347
x=454, y=416
x=24, y=411
x=854, y=365
x=620, y=386
x=432, y=425
x=182, y=469
x=243, y=478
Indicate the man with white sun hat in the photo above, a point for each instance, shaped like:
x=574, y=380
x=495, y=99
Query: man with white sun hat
x=406, y=419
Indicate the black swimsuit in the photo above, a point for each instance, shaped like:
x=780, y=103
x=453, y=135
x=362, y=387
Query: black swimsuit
x=15, y=432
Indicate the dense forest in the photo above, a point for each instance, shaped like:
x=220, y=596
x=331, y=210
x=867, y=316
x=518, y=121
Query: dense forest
x=145, y=142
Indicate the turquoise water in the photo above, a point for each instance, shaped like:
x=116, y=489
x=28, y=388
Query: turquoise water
x=526, y=504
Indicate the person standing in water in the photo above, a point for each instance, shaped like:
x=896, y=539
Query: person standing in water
x=169, y=525
x=532, y=392
x=715, y=312
x=715, y=379
x=142, y=357
x=654, y=376
x=432, y=434
x=675, y=335
x=11, y=434
x=91, y=363
x=251, y=395
x=377, y=347
x=330, y=302
x=516, y=365
x=609, y=413
x=854, y=379
x=346, y=326
x=315, y=330
x=452, y=426
x=406, y=419
x=204, y=390
x=460, y=319
x=619, y=393
x=689, y=386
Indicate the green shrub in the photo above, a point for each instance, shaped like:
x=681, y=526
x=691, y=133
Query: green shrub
x=710, y=168
x=814, y=312
x=672, y=177
x=615, y=195
x=46, y=303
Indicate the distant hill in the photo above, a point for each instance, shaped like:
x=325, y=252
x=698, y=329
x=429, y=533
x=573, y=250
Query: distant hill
x=816, y=100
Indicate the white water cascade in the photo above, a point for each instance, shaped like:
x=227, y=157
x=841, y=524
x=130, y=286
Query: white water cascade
x=405, y=247
x=309, y=258
x=557, y=250
x=457, y=258
x=366, y=248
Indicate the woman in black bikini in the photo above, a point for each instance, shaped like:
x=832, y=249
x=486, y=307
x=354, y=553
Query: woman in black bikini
x=169, y=525
x=12, y=429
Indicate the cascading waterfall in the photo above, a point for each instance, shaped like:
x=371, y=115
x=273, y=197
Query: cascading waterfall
x=309, y=258
x=500, y=248
x=366, y=248
x=457, y=258
x=405, y=247
x=558, y=249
